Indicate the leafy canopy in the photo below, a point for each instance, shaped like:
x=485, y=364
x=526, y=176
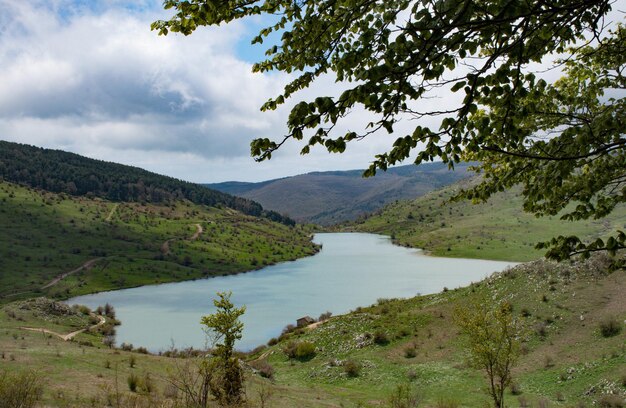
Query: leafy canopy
x=563, y=141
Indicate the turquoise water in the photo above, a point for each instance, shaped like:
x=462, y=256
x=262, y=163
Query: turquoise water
x=353, y=269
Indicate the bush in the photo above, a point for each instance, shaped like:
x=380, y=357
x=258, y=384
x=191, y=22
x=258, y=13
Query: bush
x=324, y=316
x=132, y=381
x=403, y=397
x=610, y=327
x=263, y=368
x=410, y=352
x=515, y=388
x=21, y=390
x=380, y=338
x=352, y=368
x=272, y=342
x=611, y=401
x=305, y=350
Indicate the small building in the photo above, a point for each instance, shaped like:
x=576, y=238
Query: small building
x=305, y=321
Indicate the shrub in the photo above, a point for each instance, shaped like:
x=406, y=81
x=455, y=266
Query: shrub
x=352, y=368
x=20, y=389
x=380, y=338
x=324, y=316
x=272, y=342
x=611, y=401
x=132, y=381
x=126, y=346
x=403, y=397
x=410, y=352
x=515, y=388
x=610, y=327
x=300, y=350
x=305, y=350
x=263, y=368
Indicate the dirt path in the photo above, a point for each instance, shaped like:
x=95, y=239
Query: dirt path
x=108, y=218
x=196, y=234
x=165, y=247
x=68, y=336
x=86, y=265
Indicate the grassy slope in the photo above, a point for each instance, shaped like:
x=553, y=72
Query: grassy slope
x=581, y=358
x=498, y=229
x=45, y=234
x=584, y=365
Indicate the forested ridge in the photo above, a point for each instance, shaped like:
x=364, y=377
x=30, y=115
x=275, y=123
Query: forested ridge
x=63, y=172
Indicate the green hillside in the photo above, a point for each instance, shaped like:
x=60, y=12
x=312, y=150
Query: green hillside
x=44, y=235
x=567, y=358
x=497, y=229
x=331, y=197
x=63, y=172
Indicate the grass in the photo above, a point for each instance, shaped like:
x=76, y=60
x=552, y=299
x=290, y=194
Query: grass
x=49, y=234
x=497, y=229
x=350, y=369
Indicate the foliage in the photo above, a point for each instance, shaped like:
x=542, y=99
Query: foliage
x=224, y=328
x=300, y=350
x=352, y=368
x=20, y=390
x=492, y=342
x=610, y=327
x=403, y=397
x=563, y=141
x=62, y=172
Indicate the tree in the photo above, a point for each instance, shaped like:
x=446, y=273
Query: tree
x=492, y=342
x=224, y=328
x=563, y=141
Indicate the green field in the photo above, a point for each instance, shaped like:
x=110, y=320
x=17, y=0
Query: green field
x=497, y=229
x=131, y=244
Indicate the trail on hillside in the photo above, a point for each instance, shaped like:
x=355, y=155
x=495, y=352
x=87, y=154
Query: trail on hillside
x=108, y=218
x=196, y=234
x=165, y=247
x=68, y=336
x=86, y=265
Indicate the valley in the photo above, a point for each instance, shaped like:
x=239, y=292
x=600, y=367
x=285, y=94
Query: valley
x=405, y=348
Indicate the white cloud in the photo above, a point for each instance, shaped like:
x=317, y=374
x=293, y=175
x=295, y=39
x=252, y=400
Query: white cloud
x=90, y=77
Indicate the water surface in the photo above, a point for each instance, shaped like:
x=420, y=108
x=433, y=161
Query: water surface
x=353, y=269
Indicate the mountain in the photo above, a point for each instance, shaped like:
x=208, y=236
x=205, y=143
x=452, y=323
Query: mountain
x=496, y=229
x=331, y=197
x=58, y=171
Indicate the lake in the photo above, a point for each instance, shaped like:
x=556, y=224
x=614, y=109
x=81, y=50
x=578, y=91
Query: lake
x=352, y=269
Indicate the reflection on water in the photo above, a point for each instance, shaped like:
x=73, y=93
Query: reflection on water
x=353, y=269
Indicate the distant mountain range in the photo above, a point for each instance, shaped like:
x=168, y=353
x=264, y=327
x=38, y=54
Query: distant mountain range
x=58, y=171
x=332, y=197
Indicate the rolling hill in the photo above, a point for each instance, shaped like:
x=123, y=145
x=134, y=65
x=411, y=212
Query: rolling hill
x=497, y=229
x=331, y=197
x=71, y=225
x=58, y=171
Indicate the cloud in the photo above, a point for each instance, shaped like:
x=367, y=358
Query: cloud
x=97, y=80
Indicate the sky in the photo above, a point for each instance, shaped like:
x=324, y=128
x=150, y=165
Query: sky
x=91, y=78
